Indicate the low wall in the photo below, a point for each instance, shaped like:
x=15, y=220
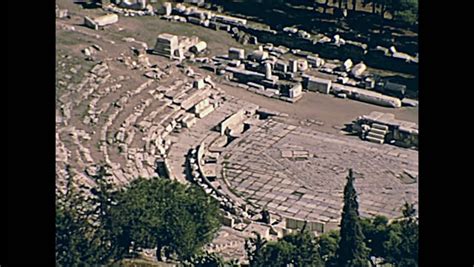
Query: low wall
x=200, y=154
x=313, y=226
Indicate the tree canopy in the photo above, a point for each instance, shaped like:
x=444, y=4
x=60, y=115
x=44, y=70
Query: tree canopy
x=402, y=10
x=146, y=214
x=76, y=239
x=164, y=214
x=401, y=245
x=328, y=244
x=298, y=249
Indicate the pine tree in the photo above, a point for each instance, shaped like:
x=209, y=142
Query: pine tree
x=352, y=250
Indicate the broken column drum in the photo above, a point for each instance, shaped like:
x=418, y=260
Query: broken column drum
x=61, y=13
x=376, y=98
x=358, y=69
x=302, y=64
x=347, y=64
x=245, y=75
x=199, y=47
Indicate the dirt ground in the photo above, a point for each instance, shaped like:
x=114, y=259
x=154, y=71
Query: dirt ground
x=147, y=28
x=333, y=112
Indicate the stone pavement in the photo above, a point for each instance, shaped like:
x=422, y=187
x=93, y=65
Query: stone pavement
x=309, y=184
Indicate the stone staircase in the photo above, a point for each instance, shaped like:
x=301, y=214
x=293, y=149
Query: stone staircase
x=377, y=133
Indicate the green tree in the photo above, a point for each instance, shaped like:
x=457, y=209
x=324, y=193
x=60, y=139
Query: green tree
x=160, y=213
x=110, y=224
x=328, y=243
x=278, y=254
x=402, y=244
x=406, y=11
x=306, y=251
x=395, y=243
x=298, y=249
x=103, y=199
x=206, y=259
x=376, y=231
x=77, y=240
x=352, y=250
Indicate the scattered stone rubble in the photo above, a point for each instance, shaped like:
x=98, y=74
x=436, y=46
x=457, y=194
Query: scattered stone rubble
x=61, y=13
x=140, y=8
x=245, y=33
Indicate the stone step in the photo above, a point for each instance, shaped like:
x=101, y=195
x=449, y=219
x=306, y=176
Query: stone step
x=378, y=131
x=374, y=140
x=376, y=135
x=380, y=126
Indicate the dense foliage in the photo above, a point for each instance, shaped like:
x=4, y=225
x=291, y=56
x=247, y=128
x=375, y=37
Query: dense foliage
x=76, y=239
x=403, y=10
x=114, y=224
x=299, y=249
x=402, y=244
x=206, y=259
x=328, y=244
x=175, y=218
